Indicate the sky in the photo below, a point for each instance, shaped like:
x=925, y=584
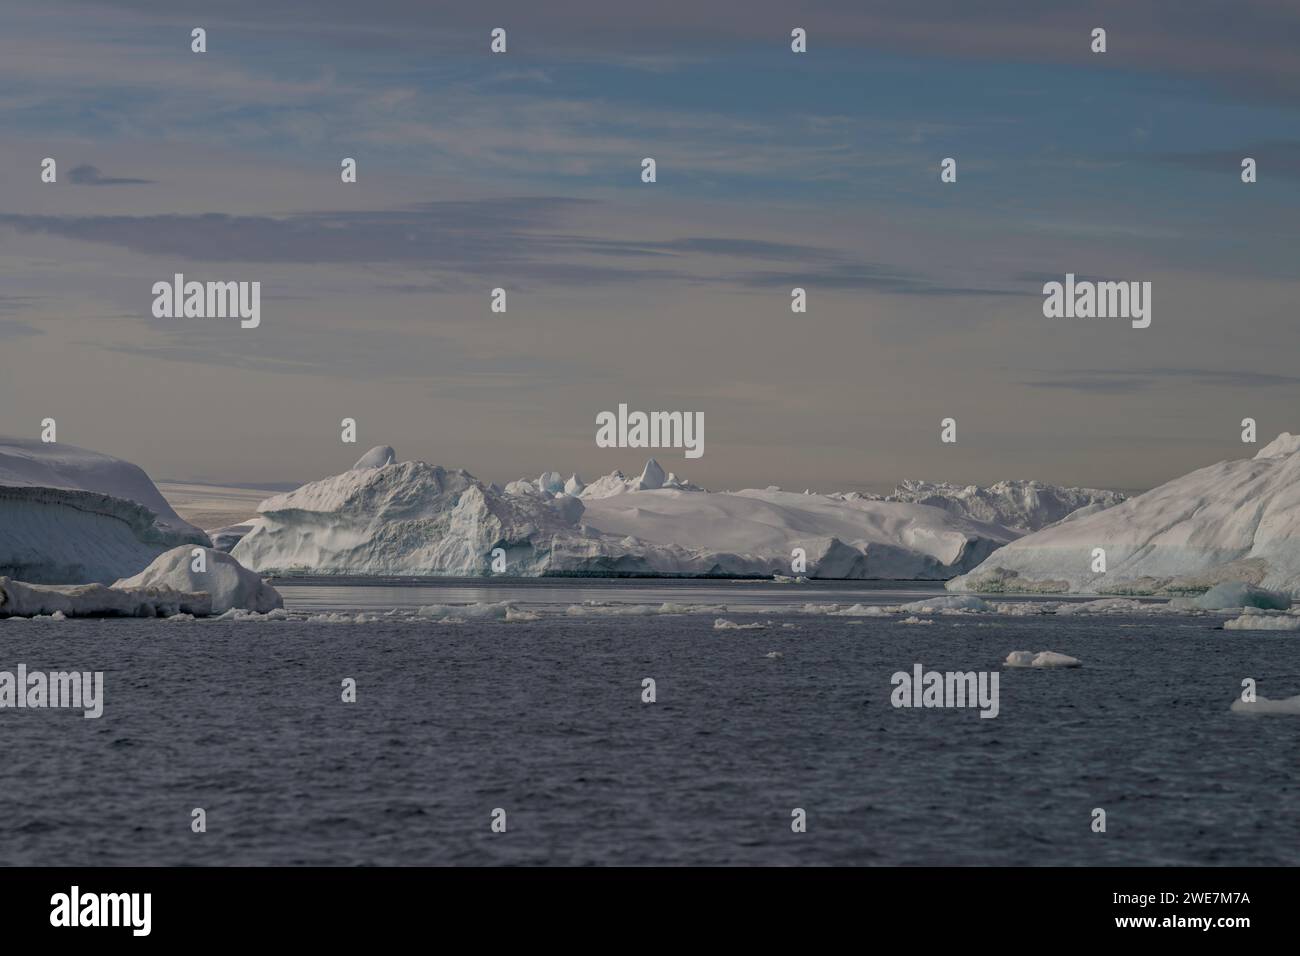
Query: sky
x=774, y=170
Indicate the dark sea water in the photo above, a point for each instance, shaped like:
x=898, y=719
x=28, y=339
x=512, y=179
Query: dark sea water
x=545, y=719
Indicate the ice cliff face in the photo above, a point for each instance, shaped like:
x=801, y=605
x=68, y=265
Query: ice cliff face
x=72, y=516
x=1233, y=521
x=412, y=518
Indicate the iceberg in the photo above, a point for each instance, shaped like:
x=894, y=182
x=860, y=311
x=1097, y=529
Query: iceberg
x=1235, y=594
x=73, y=516
x=1235, y=521
x=414, y=518
x=227, y=584
x=405, y=518
x=19, y=599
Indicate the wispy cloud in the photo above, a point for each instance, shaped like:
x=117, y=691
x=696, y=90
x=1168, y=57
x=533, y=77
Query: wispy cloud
x=87, y=175
x=1141, y=380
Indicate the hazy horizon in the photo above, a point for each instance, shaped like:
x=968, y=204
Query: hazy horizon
x=774, y=170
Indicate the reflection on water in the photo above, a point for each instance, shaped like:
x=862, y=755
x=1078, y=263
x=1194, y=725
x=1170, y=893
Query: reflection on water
x=369, y=594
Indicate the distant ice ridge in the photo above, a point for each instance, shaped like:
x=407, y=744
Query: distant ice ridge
x=73, y=516
x=1022, y=506
x=413, y=518
x=1235, y=521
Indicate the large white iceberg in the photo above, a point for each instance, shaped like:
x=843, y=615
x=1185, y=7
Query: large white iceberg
x=413, y=518
x=227, y=583
x=1235, y=521
x=69, y=515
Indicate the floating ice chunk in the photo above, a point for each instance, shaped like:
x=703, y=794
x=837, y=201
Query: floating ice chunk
x=1025, y=608
x=914, y=620
x=252, y=617
x=1263, y=622
x=1234, y=594
x=225, y=580
x=1105, y=606
x=1262, y=705
x=21, y=600
x=1041, y=659
x=480, y=611
x=513, y=614
x=774, y=655
x=823, y=608
x=948, y=602
x=722, y=624
x=864, y=610
x=593, y=609
x=335, y=617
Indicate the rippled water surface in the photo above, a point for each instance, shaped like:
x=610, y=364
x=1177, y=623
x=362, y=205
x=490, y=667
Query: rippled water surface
x=544, y=718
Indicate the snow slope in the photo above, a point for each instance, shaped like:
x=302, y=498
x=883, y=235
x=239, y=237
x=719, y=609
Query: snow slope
x=69, y=515
x=412, y=518
x=1232, y=521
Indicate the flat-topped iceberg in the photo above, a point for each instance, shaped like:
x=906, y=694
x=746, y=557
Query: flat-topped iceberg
x=19, y=599
x=69, y=515
x=1235, y=521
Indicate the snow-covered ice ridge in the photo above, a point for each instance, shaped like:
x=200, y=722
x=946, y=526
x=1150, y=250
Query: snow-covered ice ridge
x=69, y=515
x=1022, y=506
x=1235, y=521
x=386, y=517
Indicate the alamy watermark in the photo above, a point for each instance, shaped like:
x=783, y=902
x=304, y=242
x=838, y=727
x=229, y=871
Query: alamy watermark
x=75, y=690
x=208, y=300
x=651, y=430
x=946, y=689
x=75, y=908
x=1085, y=299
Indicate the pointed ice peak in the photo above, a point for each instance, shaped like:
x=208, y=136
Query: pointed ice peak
x=1281, y=446
x=652, y=476
x=377, y=457
x=574, y=485
x=552, y=482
